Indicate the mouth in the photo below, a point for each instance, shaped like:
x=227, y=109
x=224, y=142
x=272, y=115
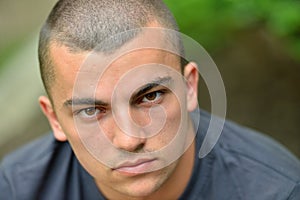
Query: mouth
x=131, y=168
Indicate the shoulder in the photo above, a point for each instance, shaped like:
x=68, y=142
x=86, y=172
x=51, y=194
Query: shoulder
x=262, y=150
x=245, y=164
x=33, y=151
x=33, y=154
x=257, y=164
x=23, y=171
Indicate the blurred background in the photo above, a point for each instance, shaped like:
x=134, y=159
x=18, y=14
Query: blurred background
x=255, y=44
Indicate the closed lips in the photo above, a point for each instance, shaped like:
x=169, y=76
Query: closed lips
x=139, y=166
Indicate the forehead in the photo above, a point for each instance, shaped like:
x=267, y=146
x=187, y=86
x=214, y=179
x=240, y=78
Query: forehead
x=68, y=66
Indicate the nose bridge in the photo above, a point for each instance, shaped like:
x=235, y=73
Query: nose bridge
x=127, y=135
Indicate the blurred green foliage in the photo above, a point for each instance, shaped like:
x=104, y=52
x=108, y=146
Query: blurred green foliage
x=212, y=22
x=8, y=51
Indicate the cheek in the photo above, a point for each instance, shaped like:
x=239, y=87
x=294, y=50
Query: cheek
x=173, y=111
x=172, y=123
x=71, y=130
x=92, y=165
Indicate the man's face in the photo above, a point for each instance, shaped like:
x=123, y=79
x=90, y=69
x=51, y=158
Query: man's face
x=127, y=125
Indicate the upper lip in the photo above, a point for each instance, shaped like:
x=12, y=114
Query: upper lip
x=133, y=163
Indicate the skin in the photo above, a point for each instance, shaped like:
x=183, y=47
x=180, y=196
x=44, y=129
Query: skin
x=167, y=182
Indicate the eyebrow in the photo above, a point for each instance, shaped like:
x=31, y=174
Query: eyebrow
x=84, y=101
x=93, y=101
x=151, y=85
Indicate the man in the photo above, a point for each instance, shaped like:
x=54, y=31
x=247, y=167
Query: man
x=122, y=105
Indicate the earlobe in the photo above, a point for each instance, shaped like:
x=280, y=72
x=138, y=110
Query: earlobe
x=191, y=76
x=49, y=112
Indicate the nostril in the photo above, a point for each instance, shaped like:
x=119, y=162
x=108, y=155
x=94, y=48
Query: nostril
x=139, y=148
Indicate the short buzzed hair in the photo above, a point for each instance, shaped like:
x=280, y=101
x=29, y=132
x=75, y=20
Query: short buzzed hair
x=83, y=24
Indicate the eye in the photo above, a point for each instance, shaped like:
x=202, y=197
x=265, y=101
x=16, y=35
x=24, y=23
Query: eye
x=90, y=113
x=152, y=97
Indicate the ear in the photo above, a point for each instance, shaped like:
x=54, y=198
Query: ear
x=49, y=112
x=191, y=76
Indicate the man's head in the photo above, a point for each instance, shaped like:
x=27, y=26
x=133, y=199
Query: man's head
x=82, y=25
x=120, y=99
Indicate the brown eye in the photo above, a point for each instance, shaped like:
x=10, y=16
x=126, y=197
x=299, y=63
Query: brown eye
x=151, y=96
x=90, y=111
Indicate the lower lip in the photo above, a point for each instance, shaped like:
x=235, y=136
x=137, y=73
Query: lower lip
x=142, y=168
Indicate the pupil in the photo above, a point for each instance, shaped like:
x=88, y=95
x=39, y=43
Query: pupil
x=90, y=111
x=151, y=96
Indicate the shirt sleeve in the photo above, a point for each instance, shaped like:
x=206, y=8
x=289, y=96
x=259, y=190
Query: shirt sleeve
x=6, y=191
x=295, y=195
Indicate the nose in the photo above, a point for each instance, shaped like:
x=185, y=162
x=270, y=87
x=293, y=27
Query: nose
x=127, y=132
x=127, y=142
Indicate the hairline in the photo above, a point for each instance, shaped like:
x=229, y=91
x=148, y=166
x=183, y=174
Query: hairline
x=50, y=35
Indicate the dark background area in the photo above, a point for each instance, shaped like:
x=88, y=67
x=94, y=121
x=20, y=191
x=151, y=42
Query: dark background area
x=255, y=45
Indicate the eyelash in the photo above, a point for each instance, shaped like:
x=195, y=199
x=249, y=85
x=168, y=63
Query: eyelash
x=158, y=98
x=82, y=113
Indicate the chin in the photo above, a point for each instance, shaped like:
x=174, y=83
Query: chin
x=147, y=184
x=142, y=188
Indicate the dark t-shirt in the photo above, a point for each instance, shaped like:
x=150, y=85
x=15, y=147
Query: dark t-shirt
x=243, y=165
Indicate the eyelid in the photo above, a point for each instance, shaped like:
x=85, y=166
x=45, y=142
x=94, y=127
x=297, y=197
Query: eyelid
x=163, y=82
x=79, y=112
x=149, y=89
x=157, y=93
x=139, y=99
